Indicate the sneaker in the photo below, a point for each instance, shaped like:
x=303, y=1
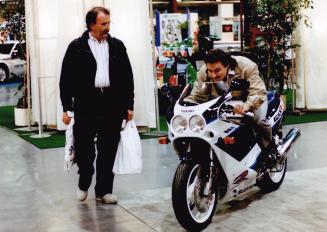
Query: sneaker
x=108, y=199
x=81, y=195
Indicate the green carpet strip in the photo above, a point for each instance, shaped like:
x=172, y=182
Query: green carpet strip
x=57, y=138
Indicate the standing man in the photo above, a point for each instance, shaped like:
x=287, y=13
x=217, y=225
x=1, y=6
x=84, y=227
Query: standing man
x=96, y=83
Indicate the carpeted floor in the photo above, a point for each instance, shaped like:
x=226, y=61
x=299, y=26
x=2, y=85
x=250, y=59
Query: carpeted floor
x=57, y=138
x=299, y=205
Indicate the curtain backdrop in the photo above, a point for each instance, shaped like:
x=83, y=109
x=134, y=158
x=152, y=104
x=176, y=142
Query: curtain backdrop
x=52, y=24
x=130, y=23
x=311, y=60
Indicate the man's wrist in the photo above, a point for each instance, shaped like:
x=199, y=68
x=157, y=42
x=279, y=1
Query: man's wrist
x=246, y=107
x=69, y=113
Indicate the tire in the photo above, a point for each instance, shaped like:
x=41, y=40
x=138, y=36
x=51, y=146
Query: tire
x=271, y=181
x=192, y=214
x=4, y=73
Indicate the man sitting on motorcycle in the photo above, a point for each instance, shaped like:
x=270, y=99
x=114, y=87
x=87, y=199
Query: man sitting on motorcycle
x=221, y=68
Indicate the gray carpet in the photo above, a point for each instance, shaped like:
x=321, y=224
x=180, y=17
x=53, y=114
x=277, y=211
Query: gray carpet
x=299, y=205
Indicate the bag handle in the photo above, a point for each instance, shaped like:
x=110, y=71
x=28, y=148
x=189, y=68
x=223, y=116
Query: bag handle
x=126, y=123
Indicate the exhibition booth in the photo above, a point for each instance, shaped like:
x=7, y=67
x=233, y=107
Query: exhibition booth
x=51, y=25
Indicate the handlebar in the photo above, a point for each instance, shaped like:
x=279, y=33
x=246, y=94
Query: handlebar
x=249, y=114
x=244, y=118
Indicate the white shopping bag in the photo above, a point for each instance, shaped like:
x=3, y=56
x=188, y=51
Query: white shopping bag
x=129, y=153
x=69, y=145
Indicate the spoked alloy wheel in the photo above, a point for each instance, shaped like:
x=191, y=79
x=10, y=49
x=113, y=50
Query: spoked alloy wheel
x=278, y=171
x=193, y=209
x=272, y=180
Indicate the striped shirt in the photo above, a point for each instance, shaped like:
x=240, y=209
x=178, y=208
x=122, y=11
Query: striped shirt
x=100, y=51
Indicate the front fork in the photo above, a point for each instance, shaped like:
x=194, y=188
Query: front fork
x=207, y=169
x=209, y=177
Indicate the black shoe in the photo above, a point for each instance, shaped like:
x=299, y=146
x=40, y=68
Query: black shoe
x=268, y=157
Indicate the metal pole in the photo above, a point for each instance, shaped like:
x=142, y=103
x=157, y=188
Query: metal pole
x=38, y=73
x=37, y=36
x=292, y=78
x=154, y=68
x=241, y=24
x=28, y=76
x=40, y=106
x=28, y=84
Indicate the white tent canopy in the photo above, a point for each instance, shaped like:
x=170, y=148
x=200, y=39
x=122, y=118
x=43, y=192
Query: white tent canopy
x=311, y=61
x=52, y=24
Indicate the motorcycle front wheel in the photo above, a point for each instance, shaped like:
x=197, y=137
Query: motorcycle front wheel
x=193, y=209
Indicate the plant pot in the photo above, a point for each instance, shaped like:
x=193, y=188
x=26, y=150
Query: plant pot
x=21, y=116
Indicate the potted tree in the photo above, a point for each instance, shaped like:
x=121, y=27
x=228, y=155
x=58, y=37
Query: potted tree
x=21, y=112
x=275, y=22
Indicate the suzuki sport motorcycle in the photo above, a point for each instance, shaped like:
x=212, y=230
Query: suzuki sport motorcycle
x=219, y=154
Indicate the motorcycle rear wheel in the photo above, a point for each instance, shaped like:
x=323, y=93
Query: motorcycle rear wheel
x=272, y=180
x=193, y=212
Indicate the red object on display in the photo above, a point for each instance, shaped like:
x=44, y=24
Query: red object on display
x=173, y=80
x=228, y=28
x=160, y=66
x=163, y=140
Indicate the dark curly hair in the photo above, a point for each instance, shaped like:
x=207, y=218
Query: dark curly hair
x=218, y=55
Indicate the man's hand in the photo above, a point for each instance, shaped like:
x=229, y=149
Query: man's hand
x=65, y=118
x=130, y=114
x=240, y=109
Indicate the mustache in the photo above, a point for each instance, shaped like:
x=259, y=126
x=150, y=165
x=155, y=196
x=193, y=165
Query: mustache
x=105, y=31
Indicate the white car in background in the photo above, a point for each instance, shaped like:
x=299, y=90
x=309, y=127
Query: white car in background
x=12, y=63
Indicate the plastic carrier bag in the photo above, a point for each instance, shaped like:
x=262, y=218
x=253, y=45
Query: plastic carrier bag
x=69, y=145
x=129, y=153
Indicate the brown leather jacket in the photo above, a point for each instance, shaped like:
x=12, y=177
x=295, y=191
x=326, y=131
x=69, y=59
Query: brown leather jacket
x=245, y=69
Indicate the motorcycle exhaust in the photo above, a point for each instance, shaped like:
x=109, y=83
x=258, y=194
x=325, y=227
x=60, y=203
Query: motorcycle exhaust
x=288, y=141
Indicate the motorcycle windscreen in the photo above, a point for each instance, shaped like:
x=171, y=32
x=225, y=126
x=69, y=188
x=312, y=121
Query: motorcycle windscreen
x=202, y=92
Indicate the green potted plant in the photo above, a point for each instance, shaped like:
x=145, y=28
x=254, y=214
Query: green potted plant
x=275, y=21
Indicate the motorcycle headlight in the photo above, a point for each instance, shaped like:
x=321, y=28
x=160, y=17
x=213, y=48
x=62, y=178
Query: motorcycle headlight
x=197, y=123
x=179, y=124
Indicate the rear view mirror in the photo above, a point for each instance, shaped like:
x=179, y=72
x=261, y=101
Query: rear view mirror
x=239, y=84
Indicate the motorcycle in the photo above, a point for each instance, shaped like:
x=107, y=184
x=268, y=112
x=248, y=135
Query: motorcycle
x=219, y=154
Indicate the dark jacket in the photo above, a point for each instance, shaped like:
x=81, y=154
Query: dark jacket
x=77, y=90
